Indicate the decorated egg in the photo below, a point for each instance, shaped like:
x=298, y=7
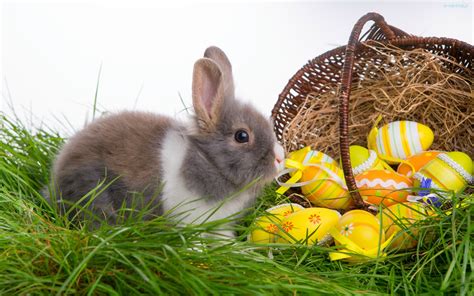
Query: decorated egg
x=361, y=234
x=325, y=186
x=308, y=226
x=318, y=176
x=399, y=140
x=383, y=187
x=363, y=160
x=265, y=227
x=448, y=171
x=307, y=155
x=414, y=163
x=398, y=219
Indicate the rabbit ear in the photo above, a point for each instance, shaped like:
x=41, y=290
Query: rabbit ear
x=208, y=92
x=219, y=57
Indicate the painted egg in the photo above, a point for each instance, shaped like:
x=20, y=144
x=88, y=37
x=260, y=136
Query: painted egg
x=265, y=227
x=361, y=233
x=362, y=228
x=308, y=226
x=363, y=159
x=400, y=140
x=448, y=171
x=326, y=186
x=398, y=219
x=417, y=162
x=383, y=187
x=307, y=155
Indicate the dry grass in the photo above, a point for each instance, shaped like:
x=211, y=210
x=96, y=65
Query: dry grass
x=401, y=85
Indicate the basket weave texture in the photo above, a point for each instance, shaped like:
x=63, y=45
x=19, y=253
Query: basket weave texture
x=342, y=66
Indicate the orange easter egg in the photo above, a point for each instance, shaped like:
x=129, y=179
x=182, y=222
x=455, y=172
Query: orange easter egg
x=417, y=161
x=327, y=189
x=383, y=187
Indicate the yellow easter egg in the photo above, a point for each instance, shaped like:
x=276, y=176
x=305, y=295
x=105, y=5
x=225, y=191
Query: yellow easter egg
x=308, y=226
x=400, y=140
x=398, y=219
x=450, y=171
x=327, y=188
x=362, y=228
x=266, y=227
x=417, y=162
x=306, y=155
x=363, y=159
x=383, y=187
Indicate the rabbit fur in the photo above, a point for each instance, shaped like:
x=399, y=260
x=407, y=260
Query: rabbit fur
x=216, y=163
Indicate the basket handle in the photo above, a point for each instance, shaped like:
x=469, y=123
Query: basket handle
x=346, y=83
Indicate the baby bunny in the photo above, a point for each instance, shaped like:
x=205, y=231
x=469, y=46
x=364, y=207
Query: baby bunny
x=218, y=161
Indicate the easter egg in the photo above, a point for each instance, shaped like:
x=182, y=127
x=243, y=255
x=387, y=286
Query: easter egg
x=308, y=226
x=363, y=159
x=383, y=187
x=451, y=171
x=400, y=140
x=265, y=227
x=361, y=234
x=362, y=228
x=417, y=162
x=326, y=186
x=397, y=220
x=307, y=155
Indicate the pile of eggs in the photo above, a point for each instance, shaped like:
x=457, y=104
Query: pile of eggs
x=403, y=145
x=362, y=234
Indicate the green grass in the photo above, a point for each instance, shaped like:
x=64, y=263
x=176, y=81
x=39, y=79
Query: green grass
x=42, y=253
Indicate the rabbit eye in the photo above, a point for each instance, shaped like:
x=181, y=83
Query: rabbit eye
x=241, y=136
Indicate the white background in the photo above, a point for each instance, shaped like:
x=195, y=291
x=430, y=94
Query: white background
x=52, y=51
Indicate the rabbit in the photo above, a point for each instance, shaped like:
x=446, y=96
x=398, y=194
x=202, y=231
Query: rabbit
x=193, y=168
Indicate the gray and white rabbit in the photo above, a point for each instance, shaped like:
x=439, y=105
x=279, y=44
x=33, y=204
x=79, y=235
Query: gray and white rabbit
x=182, y=167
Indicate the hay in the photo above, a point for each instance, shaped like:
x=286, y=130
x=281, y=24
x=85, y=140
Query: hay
x=399, y=85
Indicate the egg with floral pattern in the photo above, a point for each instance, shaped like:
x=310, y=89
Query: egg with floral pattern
x=362, y=228
x=309, y=226
x=266, y=226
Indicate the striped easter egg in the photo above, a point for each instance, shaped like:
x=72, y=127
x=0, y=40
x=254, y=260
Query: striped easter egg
x=327, y=188
x=307, y=155
x=448, y=171
x=400, y=140
x=417, y=162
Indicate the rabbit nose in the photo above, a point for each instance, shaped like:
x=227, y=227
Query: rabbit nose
x=279, y=155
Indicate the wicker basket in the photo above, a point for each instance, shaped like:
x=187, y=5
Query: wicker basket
x=335, y=69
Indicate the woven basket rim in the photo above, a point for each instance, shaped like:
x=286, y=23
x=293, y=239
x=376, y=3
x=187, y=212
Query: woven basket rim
x=400, y=41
